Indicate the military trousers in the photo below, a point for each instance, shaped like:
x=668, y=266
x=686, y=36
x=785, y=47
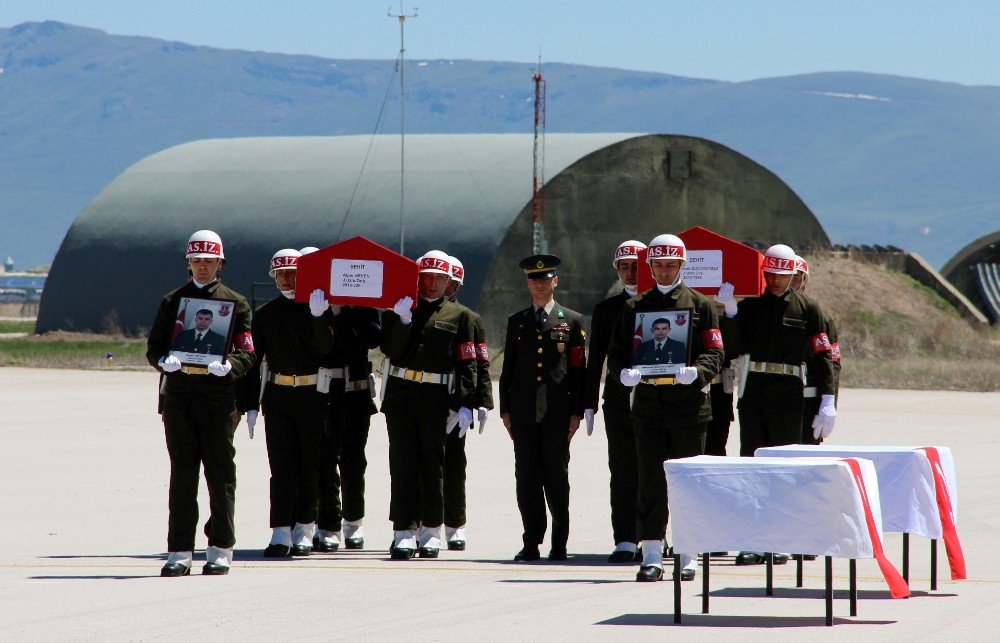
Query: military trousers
x=200, y=435
x=416, y=417
x=342, y=472
x=624, y=468
x=541, y=472
x=722, y=416
x=770, y=412
x=658, y=439
x=454, y=479
x=295, y=419
x=810, y=407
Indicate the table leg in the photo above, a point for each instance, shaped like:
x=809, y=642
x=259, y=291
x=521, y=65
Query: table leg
x=677, y=588
x=769, y=558
x=906, y=557
x=854, y=586
x=829, y=590
x=798, y=570
x=704, y=582
x=933, y=564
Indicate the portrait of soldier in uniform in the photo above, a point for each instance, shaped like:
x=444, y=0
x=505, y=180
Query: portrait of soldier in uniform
x=200, y=338
x=666, y=348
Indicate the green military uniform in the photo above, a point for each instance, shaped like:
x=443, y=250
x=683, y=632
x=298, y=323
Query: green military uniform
x=199, y=420
x=782, y=332
x=455, y=461
x=342, y=477
x=810, y=406
x=541, y=386
x=669, y=419
x=617, y=420
x=295, y=345
x=436, y=346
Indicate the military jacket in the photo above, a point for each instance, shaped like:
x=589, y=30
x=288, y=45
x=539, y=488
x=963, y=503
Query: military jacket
x=602, y=324
x=439, y=339
x=544, y=371
x=786, y=329
x=484, y=383
x=209, y=389
x=831, y=332
x=681, y=402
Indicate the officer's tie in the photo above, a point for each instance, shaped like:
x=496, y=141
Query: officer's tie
x=540, y=318
x=659, y=351
x=197, y=341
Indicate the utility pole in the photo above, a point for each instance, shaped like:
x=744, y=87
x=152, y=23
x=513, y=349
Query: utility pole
x=538, y=243
x=402, y=117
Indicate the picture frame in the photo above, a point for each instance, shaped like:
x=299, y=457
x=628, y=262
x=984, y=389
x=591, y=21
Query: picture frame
x=662, y=341
x=212, y=320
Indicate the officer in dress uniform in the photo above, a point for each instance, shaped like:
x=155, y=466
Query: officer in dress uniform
x=454, y=449
x=294, y=339
x=670, y=413
x=199, y=414
x=810, y=407
x=616, y=409
x=782, y=331
x=431, y=377
x=541, y=403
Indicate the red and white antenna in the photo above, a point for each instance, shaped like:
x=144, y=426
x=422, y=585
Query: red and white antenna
x=538, y=243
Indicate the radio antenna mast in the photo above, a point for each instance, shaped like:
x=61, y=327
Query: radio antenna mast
x=402, y=116
x=538, y=243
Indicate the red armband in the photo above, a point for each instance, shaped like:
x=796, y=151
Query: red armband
x=243, y=341
x=819, y=342
x=835, y=351
x=711, y=338
x=577, y=356
x=482, y=353
x=465, y=351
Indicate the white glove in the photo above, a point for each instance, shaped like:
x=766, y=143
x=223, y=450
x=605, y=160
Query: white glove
x=452, y=422
x=318, y=303
x=251, y=421
x=170, y=364
x=825, y=419
x=588, y=416
x=725, y=297
x=630, y=377
x=219, y=369
x=686, y=374
x=402, y=308
x=464, y=421
x=482, y=412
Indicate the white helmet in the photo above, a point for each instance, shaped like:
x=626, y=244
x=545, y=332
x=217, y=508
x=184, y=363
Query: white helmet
x=436, y=262
x=307, y=250
x=780, y=260
x=627, y=250
x=204, y=244
x=801, y=265
x=284, y=259
x=457, y=270
x=667, y=246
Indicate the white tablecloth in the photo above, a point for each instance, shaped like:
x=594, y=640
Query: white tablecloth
x=906, y=483
x=800, y=505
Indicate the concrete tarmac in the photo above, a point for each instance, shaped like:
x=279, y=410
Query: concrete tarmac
x=83, y=503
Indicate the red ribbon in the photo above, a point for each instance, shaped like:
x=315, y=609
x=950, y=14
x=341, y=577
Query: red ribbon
x=956, y=559
x=897, y=586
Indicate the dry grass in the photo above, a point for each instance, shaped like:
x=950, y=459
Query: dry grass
x=896, y=333
x=73, y=350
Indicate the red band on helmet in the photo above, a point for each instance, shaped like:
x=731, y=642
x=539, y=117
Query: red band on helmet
x=204, y=247
x=465, y=351
x=577, y=356
x=665, y=252
x=835, y=351
x=433, y=263
x=777, y=263
x=711, y=338
x=278, y=263
x=627, y=251
x=801, y=266
x=243, y=341
x=819, y=342
x=458, y=273
x=482, y=353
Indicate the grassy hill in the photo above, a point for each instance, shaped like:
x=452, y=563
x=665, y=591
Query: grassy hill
x=879, y=159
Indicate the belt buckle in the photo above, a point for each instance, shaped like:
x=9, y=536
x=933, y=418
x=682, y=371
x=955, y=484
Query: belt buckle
x=413, y=376
x=775, y=368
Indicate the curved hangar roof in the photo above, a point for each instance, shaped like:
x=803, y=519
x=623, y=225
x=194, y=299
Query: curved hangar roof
x=975, y=271
x=466, y=194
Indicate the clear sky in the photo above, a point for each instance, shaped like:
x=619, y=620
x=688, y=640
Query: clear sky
x=952, y=40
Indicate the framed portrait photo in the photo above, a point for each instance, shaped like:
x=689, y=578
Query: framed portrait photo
x=662, y=341
x=203, y=331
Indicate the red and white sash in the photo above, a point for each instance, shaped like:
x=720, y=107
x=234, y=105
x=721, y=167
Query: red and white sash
x=956, y=559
